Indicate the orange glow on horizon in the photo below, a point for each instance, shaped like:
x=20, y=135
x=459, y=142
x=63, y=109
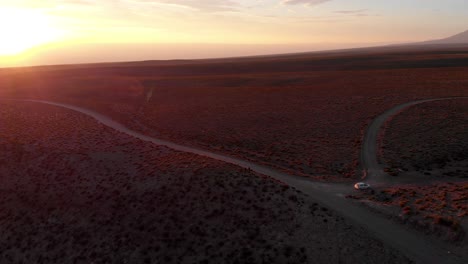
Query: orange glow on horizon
x=34, y=32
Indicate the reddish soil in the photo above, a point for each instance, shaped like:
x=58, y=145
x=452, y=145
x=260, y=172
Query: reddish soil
x=430, y=139
x=303, y=114
x=74, y=191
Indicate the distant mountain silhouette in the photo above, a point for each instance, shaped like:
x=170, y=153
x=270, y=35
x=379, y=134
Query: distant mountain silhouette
x=461, y=38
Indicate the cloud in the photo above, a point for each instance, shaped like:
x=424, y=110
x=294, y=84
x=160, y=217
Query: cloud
x=205, y=5
x=351, y=12
x=305, y=2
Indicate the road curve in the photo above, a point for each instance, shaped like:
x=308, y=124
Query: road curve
x=409, y=242
x=374, y=172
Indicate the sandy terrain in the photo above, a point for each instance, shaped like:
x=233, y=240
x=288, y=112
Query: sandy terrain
x=74, y=191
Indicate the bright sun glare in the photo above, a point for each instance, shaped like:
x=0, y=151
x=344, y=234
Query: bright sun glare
x=22, y=29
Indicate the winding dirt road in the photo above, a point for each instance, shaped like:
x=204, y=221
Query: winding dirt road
x=375, y=174
x=409, y=242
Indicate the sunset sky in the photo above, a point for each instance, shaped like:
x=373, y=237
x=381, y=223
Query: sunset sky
x=73, y=31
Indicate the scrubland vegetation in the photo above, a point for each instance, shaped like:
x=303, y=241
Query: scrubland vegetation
x=437, y=209
x=74, y=191
x=430, y=138
x=427, y=145
x=304, y=115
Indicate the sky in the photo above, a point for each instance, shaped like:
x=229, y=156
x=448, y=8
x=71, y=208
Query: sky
x=76, y=31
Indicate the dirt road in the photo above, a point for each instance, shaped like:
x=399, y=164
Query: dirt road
x=375, y=174
x=409, y=242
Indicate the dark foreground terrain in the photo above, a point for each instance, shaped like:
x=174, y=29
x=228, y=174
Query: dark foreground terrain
x=92, y=195
x=74, y=191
